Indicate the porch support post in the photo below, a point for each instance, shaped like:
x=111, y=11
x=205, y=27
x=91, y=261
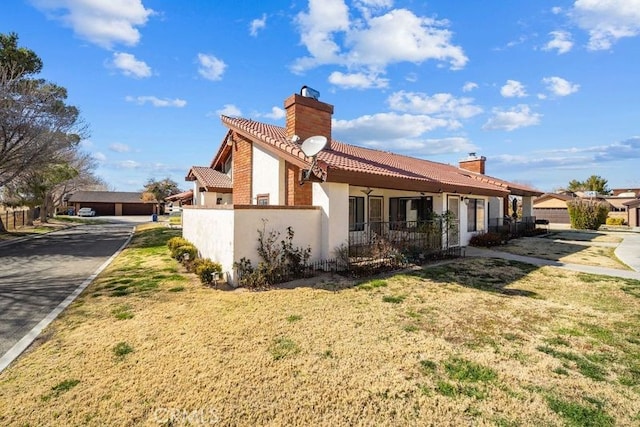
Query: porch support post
x=333, y=198
x=527, y=206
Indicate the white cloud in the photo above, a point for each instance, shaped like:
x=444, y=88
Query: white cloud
x=561, y=41
x=119, y=147
x=229, y=110
x=559, y=86
x=257, y=25
x=104, y=23
x=276, y=113
x=100, y=157
x=157, y=102
x=384, y=128
x=556, y=10
x=576, y=157
x=211, y=68
x=442, y=105
x=514, y=118
x=357, y=80
x=469, y=86
x=430, y=147
x=371, y=40
x=127, y=164
x=130, y=66
x=513, y=89
x=607, y=21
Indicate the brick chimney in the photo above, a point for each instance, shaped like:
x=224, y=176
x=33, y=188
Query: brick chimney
x=473, y=163
x=307, y=117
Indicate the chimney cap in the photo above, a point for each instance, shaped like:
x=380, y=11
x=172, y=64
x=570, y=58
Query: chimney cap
x=308, y=92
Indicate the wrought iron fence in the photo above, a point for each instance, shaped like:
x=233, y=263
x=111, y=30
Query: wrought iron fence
x=513, y=227
x=404, y=242
x=375, y=247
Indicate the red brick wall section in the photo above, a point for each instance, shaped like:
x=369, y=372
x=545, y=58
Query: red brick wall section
x=297, y=195
x=476, y=166
x=307, y=117
x=242, y=168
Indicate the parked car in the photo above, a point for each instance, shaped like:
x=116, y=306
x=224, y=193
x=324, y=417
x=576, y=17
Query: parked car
x=86, y=212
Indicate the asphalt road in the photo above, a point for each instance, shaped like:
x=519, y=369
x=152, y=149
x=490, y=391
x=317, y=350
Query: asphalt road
x=38, y=274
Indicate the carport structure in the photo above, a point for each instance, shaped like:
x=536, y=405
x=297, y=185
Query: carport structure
x=109, y=203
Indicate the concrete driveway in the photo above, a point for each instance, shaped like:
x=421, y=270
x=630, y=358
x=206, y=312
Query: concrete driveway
x=38, y=276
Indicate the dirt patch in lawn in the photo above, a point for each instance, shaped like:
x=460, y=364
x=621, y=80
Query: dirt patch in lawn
x=472, y=342
x=570, y=247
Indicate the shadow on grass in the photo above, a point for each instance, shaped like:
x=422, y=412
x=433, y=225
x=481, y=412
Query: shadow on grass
x=491, y=275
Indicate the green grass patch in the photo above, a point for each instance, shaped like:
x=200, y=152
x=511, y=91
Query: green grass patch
x=294, y=318
x=122, y=312
x=393, y=299
x=122, y=349
x=465, y=370
x=579, y=415
x=428, y=366
x=60, y=388
x=558, y=341
x=176, y=289
x=283, y=347
x=373, y=284
x=584, y=366
x=446, y=389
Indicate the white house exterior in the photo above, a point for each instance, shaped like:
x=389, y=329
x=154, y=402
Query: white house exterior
x=256, y=179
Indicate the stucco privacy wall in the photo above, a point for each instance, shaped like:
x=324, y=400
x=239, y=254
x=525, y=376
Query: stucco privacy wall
x=305, y=223
x=215, y=230
x=211, y=231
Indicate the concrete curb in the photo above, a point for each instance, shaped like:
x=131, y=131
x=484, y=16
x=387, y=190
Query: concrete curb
x=15, y=351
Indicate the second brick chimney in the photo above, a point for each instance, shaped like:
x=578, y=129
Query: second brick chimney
x=473, y=163
x=307, y=117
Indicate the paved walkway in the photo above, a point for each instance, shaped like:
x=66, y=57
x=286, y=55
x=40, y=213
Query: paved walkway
x=628, y=252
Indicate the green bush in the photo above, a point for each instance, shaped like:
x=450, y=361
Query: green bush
x=486, y=240
x=205, y=268
x=587, y=214
x=179, y=252
x=175, y=242
x=615, y=221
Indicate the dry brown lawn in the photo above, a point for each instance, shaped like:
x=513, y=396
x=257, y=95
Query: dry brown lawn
x=595, y=249
x=471, y=342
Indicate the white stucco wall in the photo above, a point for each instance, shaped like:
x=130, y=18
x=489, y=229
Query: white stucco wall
x=267, y=176
x=527, y=206
x=333, y=199
x=211, y=231
x=305, y=224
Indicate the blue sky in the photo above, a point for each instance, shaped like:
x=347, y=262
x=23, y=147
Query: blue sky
x=548, y=91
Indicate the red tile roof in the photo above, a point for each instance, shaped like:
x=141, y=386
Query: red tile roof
x=185, y=195
x=209, y=178
x=353, y=164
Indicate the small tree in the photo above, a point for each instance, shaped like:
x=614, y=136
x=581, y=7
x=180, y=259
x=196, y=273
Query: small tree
x=593, y=183
x=160, y=189
x=587, y=214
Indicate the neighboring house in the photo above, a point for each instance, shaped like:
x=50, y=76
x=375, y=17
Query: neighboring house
x=210, y=187
x=633, y=213
x=262, y=178
x=107, y=203
x=181, y=199
x=553, y=206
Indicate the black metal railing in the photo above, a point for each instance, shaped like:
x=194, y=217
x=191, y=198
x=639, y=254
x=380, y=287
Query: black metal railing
x=401, y=242
x=513, y=227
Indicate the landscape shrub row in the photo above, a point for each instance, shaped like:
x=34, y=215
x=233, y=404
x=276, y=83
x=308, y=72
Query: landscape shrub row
x=616, y=221
x=185, y=252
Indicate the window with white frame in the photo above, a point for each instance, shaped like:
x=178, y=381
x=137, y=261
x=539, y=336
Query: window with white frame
x=475, y=214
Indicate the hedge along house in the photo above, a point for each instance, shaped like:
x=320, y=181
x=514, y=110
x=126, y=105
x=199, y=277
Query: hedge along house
x=348, y=194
